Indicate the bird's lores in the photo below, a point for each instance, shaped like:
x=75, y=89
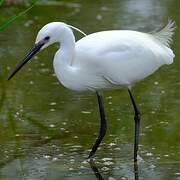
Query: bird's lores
x=104, y=60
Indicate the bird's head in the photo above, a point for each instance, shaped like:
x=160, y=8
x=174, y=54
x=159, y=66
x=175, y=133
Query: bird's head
x=48, y=35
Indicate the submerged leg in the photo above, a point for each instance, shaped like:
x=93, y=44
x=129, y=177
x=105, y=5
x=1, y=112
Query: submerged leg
x=137, y=118
x=95, y=170
x=103, y=126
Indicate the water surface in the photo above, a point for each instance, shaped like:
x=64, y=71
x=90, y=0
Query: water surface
x=46, y=131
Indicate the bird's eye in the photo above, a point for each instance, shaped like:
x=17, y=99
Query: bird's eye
x=47, y=38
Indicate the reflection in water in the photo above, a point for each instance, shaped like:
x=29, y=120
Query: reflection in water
x=99, y=176
x=95, y=169
x=136, y=171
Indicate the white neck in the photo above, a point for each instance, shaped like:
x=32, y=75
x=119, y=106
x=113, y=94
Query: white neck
x=67, y=49
x=64, y=56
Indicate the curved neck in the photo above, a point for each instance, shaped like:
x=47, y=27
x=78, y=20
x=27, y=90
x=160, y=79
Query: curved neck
x=67, y=46
x=64, y=57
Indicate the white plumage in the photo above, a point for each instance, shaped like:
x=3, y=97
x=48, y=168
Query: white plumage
x=108, y=59
x=103, y=60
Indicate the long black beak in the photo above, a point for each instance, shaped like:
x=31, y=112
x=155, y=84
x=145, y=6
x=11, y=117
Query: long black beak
x=28, y=57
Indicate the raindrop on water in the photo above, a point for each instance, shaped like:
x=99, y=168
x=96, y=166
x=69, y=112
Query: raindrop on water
x=51, y=125
x=149, y=154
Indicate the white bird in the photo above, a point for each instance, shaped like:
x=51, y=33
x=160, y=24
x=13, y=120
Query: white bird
x=104, y=60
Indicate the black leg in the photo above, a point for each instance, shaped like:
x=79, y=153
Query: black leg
x=137, y=118
x=136, y=171
x=103, y=127
x=95, y=170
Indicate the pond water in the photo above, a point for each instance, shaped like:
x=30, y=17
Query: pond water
x=46, y=131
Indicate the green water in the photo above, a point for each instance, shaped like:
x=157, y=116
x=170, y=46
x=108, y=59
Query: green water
x=46, y=131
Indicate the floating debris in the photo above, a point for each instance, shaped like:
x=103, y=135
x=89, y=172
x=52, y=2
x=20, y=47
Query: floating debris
x=85, y=162
x=164, y=122
x=31, y=82
x=44, y=70
x=36, y=57
x=123, y=178
x=51, y=125
x=53, y=103
x=85, y=112
x=107, y=163
x=111, y=144
x=8, y=68
x=111, y=178
x=152, y=166
x=149, y=154
x=72, y=160
x=17, y=113
x=46, y=137
x=177, y=173
x=106, y=159
x=147, y=127
x=60, y=155
x=47, y=156
x=104, y=8
x=55, y=159
x=29, y=69
x=62, y=129
x=82, y=167
x=105, y=169
x=76, y=146
x=99, y=17
x=28, y=23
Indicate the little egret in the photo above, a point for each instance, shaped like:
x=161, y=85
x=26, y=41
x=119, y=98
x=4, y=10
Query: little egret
x=104, y=60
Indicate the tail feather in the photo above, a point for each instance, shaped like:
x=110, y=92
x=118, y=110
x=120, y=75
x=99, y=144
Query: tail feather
x=165, y=35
